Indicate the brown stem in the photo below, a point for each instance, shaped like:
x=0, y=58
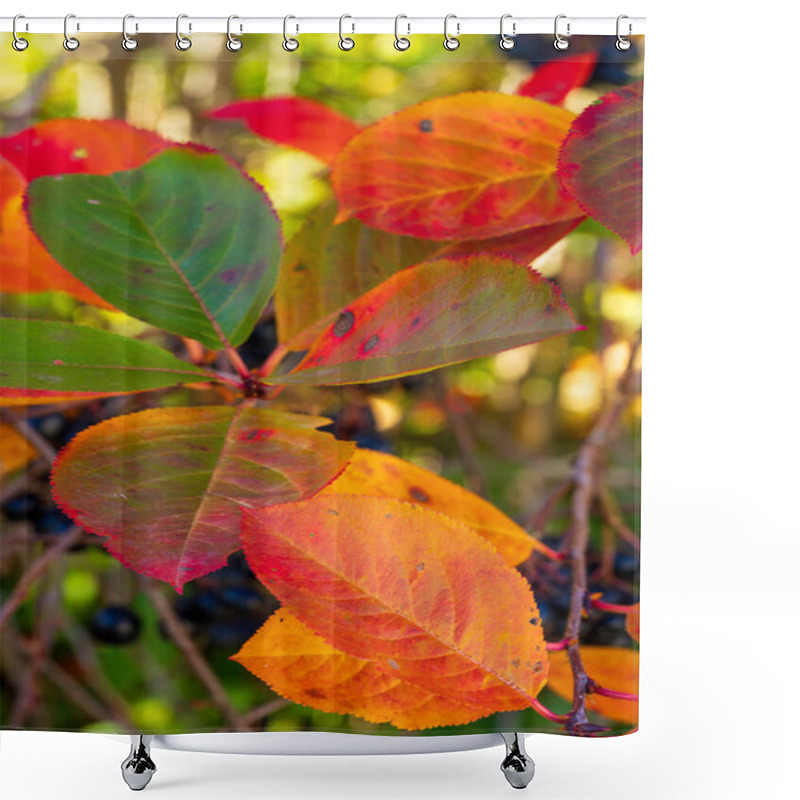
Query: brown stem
x=197, y=661
x=44, y=448
x=609, y=509
x=265, y=710
x=17, y=597
x=536, y=524
x=585, y=478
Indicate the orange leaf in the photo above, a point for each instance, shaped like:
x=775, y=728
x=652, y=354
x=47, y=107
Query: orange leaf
x=414, y=591
x=294, y=121
x=632, y=622
x=25, y=266
x=375, y=474
x=468, y=166
x=614, y=668
x=304, y=668
x=15, y=451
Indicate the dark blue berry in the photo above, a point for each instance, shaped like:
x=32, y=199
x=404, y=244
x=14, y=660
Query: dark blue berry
x=53, y=522
x=23, y=506
x=115, y=625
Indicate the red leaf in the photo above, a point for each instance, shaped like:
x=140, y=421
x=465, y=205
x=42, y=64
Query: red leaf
x=553, y=81
x=165, y=485
x=410, y=589
x=467, y=166
x=600, y=162
x=294, y=121
x=62, y=146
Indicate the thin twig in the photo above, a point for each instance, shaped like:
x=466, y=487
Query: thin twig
x=17, y=597
x=44, y=448
x=536, y=524
x=197, y=661
x=609, y=509
x=265, y=710
x=585, y=477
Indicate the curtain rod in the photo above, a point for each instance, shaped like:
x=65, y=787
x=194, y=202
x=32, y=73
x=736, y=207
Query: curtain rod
x=407, y=26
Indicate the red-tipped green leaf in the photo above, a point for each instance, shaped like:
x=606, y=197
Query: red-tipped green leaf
x=375, y=474
x=468, y=166
x=64, y=146
x=414, y=591
x=25, y=266
x=600, y=162
x=436, y=313
x=325, y=266
x=186, y=242
x=294, y=121
x=554, y=80
x=304, y=668
x=166, y=485
x=43, y=361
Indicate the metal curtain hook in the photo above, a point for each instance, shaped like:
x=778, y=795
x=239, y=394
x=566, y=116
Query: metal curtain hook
x=507, y=42
x=70, y=42
x=289, y=44
x=623, y=44
x=400, y=42
x=561, y=42
x=233, y=44
x=18, y=43
x=181, y=42
x=451, y=42
x=128, y=42
x=345, y=42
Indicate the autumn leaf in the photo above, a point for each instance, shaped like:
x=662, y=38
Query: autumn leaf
x=304, y=668
x=614, y=668
x=552, y=81
x=600, y=162
x=67, y=146
x=325, y=266
x=375, y=474
x=436, y=313
x=468, y=166
x=632, y=622
x=165, y=485
x=412, y=590
x=25, y=266
x=45, y=362
x=294, y=121
x=15, y=450
x=187, y=242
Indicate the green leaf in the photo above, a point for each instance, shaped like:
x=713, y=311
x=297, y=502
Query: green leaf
x=166, y=485
x=186, y=242
x=43, y=359
x=325, y=266
x=436, y=313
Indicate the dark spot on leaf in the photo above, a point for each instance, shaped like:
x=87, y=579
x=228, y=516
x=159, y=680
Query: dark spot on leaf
x=393, y=664
x=534, y=620
x=455, y=306
x=419, y=495
x=548, y=309
x=538, y=666
x=420, y=566
x=344, y=323
x=317, y=693
x=415, y=322
x=228, y=276
x=256, y=435
x=516, y=662
x=299, y=268
x=333, y=512
x=426, y=125
x=370, y=343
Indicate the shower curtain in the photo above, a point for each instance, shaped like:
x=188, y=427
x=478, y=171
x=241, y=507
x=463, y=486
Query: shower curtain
x=320, y=385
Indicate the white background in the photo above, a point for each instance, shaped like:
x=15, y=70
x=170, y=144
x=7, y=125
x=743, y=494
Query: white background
x=719, y=684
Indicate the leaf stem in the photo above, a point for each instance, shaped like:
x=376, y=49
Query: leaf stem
x=612, y=608
x=596, y=688
x=547, y=713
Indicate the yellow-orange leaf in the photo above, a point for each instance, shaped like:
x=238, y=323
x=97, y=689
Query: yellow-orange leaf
x=632, y=622
x=15, y=451
x=416, y=592
x=25, y=266
x=614, y=668
x=377, y=474
x=304, y=668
